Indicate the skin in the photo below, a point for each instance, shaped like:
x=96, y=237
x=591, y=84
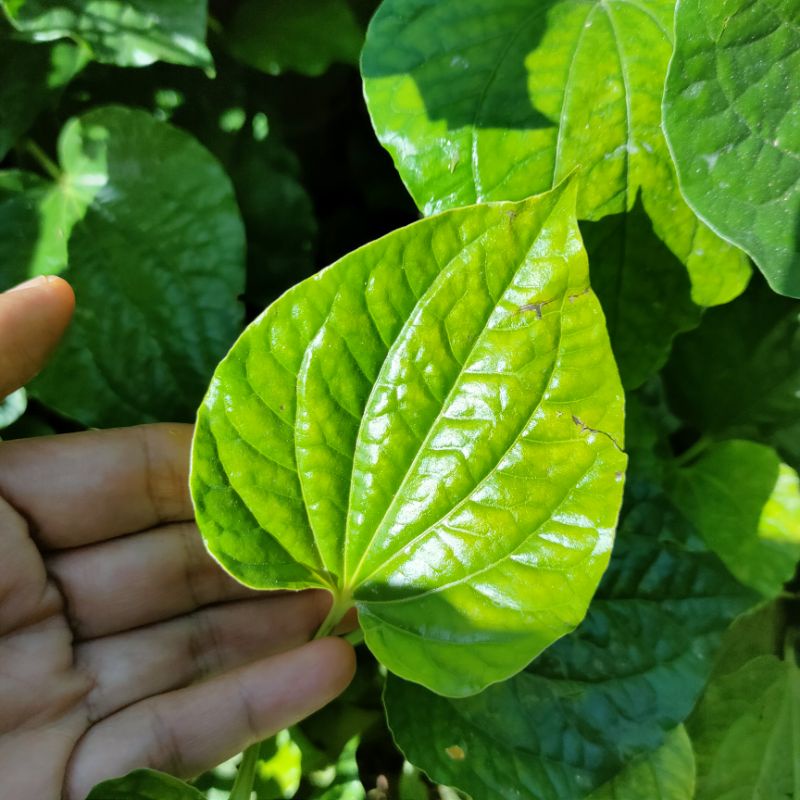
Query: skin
x=122, y=643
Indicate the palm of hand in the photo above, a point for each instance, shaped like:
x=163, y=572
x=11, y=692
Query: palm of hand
x=122, y=644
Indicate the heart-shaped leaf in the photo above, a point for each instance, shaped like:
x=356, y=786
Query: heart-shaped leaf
x=497, y=99
x=431, y=430
x=157, y=293
x=732, y=117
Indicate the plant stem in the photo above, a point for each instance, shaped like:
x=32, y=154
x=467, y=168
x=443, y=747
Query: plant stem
x=42, y=159
x=341, y=605
x=243, y=786
x=689, y=455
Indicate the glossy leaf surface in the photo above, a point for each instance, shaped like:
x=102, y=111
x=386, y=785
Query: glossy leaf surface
x=732, y=117
x=666, y=774
x=145, y=784
x=128, y=34
x=738, y=374
x=745, y=733
x=13, y=407
x=644, y=291
x=498, y=99
x=305, y=36
x=746, y=505
x=579, y=713
x=120, y=225
x=430, y=429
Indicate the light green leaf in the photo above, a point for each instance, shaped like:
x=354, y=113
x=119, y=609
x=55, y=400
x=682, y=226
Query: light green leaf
x=746, y=506
x=13, y=407
x=612, y=689
x=666, y=774
x=145, y=784
x=30, y=76
x=498, y=99
x=738, y=374
x=644, y=291
x=745, y=733
x=732, y=117
x=430, y=429
x=121, y=32
x=305, y=36
x=156, y=292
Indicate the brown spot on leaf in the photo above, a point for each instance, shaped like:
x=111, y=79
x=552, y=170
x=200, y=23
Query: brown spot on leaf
x=455, y=752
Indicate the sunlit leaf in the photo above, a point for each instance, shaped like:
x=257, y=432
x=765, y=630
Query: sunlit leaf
x=732, y=116
x=498, y=99
x=430, y=429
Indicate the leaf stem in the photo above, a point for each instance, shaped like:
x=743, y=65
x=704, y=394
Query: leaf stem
x=341, y=605
x=243, y=786
x=42, y=159
x=695, y=450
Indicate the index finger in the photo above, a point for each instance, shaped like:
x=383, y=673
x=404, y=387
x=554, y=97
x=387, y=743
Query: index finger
x=79, y=488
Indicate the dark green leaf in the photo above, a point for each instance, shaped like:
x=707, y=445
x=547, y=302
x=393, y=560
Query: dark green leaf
x=579, y=713
x=156, y=290
x=738, y=374
x=746, y=506
x=745, y=733
x=145, y=784
x=499, y=99
x=30, y=76
x=129, y=34
x=644, y=291
x=305, y=36
x=430, y=429
x=732, y=116
x=665, y=774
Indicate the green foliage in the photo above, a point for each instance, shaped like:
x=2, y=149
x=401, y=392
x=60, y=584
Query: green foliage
x=732, y=116
x=745, y=733
x=515, y=96
x=746, y=506
x=432, y=427
x=144, y=784
x=171, y=294
x=632, y=671
x=665, y=774
x=306, y=36
x=435, y=372
x=129, y=34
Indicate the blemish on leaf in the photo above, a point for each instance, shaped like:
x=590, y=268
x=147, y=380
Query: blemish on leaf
x=586, y=429
x=455, y=752
x=535, y=307
x=573, y=297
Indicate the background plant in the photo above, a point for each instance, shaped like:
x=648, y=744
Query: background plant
x=182, y=169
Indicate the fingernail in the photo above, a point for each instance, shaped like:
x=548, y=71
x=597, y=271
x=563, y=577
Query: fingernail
x=39, y=280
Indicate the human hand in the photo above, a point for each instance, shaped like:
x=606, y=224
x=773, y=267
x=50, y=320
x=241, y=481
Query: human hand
x=122, y=643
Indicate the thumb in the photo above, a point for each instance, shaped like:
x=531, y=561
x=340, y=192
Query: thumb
x=33, y=317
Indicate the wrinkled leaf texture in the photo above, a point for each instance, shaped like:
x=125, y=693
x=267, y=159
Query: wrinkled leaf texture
x=430, y=429
x=732, y=118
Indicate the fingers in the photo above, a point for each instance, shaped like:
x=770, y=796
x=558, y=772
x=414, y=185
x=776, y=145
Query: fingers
x=140, y=579
x=131, y=666
x=80, y=488
x=190, y=730
x=33, y=317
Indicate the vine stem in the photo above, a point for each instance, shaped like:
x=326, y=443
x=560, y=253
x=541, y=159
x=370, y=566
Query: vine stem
x=44, y=161
x=243, y=786
x=689, y=455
